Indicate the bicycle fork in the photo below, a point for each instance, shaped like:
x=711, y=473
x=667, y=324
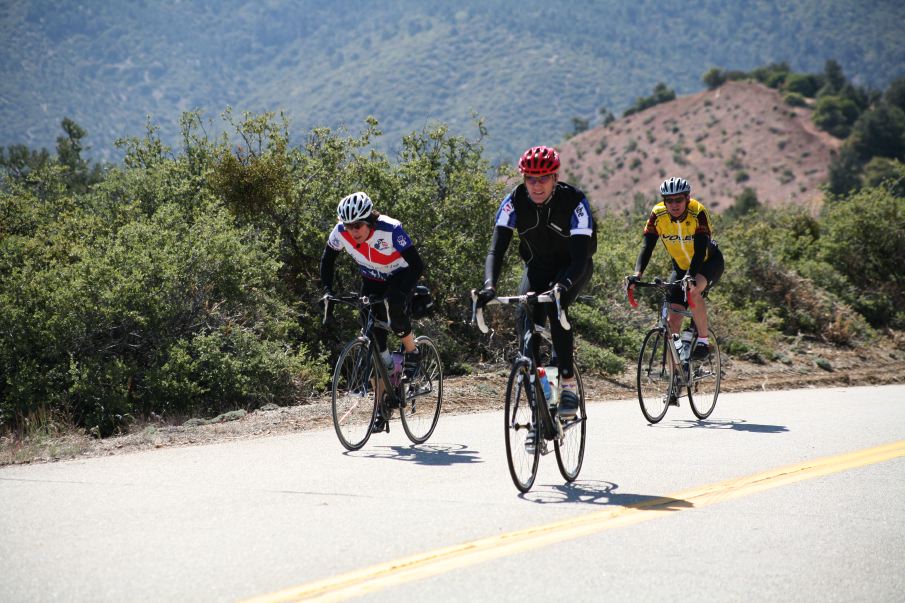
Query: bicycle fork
x=547, y=423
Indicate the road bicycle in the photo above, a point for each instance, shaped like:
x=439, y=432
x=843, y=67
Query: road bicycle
x=526, y=407
x=667, y=371
x=365, y=388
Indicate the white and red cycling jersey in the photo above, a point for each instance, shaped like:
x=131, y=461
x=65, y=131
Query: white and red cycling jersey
x=380, y=256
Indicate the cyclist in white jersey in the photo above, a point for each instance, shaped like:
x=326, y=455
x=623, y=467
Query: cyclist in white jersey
x=389, y=264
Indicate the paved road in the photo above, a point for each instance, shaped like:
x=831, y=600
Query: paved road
x=659, y=513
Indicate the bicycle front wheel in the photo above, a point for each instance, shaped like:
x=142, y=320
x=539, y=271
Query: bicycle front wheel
x=654, y=376
x=704, y=381
x=570, y=450
x=354, y=396
x=424, y=394
x=520, y=419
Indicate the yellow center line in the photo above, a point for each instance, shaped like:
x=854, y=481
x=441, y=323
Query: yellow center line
x=438, y=561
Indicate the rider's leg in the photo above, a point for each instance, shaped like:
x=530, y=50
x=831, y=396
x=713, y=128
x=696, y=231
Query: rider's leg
x=709, y=275
x=698, y=307
x=564, y=345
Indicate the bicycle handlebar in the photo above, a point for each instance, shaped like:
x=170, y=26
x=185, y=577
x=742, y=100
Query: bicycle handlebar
x=356, y=301
x=662, y=285
x=552, y=296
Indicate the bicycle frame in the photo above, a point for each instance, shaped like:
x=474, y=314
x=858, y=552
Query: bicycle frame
x=368, y=323
x=663, y=322
x=551, y=427
x=663, y=377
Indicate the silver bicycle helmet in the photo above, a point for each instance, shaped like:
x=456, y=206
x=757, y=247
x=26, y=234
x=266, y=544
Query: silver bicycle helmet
x=675, y=186
x=354, y=207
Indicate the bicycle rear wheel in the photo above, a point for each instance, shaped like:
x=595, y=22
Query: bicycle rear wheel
x=654, y=380
x=570, y=452
x=354, y=397
x=520, y=418
x=704, y=381
x=423, y=395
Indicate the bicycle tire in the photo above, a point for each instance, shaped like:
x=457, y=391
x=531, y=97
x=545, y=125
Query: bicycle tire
x=655, y=378
x=704, y=380
x=354, y=400
x=570, y=452
x=423, y=395
x=520, y=416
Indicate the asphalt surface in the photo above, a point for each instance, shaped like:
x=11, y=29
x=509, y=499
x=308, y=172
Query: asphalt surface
x=660, y=512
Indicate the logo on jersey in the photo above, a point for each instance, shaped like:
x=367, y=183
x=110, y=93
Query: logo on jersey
x=402, y=241
x=381, y=244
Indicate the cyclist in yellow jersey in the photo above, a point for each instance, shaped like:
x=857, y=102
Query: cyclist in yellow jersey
x=684, y=227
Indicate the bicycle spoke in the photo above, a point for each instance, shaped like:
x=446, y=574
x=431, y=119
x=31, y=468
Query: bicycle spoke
x=520, y=420
x=570, y=449
x=354, y=403
x=423, y=395
x=655, y=382
x=704, y=385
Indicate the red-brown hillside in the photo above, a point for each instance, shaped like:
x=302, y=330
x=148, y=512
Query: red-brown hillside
x=739, y=135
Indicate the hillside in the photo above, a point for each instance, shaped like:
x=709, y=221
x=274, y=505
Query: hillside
x=527, y=67
x=739, y=135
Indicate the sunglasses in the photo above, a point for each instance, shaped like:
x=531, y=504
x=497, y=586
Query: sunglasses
x=354, y=225
x=538, y=179
x=673, y=200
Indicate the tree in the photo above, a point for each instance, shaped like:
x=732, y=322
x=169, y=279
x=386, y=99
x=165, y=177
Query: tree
x=885, y=173
x=579, y=125
x=80, y=173
x=606, y=116
x=745, y=203
x=834, y=79
x=835, y=115
x=895, y=93
x=17, y=161
x=880, y=132
x=714, y=78
x=805, y=84
x=845, y=170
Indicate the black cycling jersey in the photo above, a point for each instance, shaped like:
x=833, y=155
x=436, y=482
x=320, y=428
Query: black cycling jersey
x=555, y=235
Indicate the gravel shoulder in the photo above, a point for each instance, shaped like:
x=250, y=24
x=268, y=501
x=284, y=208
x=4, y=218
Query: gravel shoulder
x=806, y=365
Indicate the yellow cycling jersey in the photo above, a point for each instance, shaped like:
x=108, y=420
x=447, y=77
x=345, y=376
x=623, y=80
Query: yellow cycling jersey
x=678, y=236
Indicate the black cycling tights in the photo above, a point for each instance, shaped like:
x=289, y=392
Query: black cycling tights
x=563, y=340
x=398, y=301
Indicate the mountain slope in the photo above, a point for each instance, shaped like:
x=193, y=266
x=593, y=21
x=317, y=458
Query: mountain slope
x=529, y=67
x=739, y=135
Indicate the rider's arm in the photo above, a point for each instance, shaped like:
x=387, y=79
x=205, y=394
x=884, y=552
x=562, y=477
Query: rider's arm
x=701, y=242
x=579, y=247
x=647, y=248
x=405, y=279
x=328, y=261
x=502, y=236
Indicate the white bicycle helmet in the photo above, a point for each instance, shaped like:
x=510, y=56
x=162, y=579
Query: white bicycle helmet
x=675, y=186
x=354, y=207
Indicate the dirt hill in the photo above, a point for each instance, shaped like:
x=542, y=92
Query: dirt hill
x=739, y=135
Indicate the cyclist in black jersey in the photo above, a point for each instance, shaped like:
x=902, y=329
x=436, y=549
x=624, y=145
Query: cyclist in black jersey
x=556, y=241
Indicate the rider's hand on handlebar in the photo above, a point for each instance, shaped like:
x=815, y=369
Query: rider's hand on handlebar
x=632, y=280
x=485, y=295
x=560, y=288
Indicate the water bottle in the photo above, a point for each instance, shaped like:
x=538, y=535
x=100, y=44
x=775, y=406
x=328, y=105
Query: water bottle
x=677, y=341
x=545, y=383
x=553, y=378
x=687, y=337
x=396, y=369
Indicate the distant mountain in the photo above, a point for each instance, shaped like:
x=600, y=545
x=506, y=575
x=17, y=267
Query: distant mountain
x=527, y=66
x=739, y=135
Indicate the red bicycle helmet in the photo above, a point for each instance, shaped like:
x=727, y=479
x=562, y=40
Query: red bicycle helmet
x=539, y=161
